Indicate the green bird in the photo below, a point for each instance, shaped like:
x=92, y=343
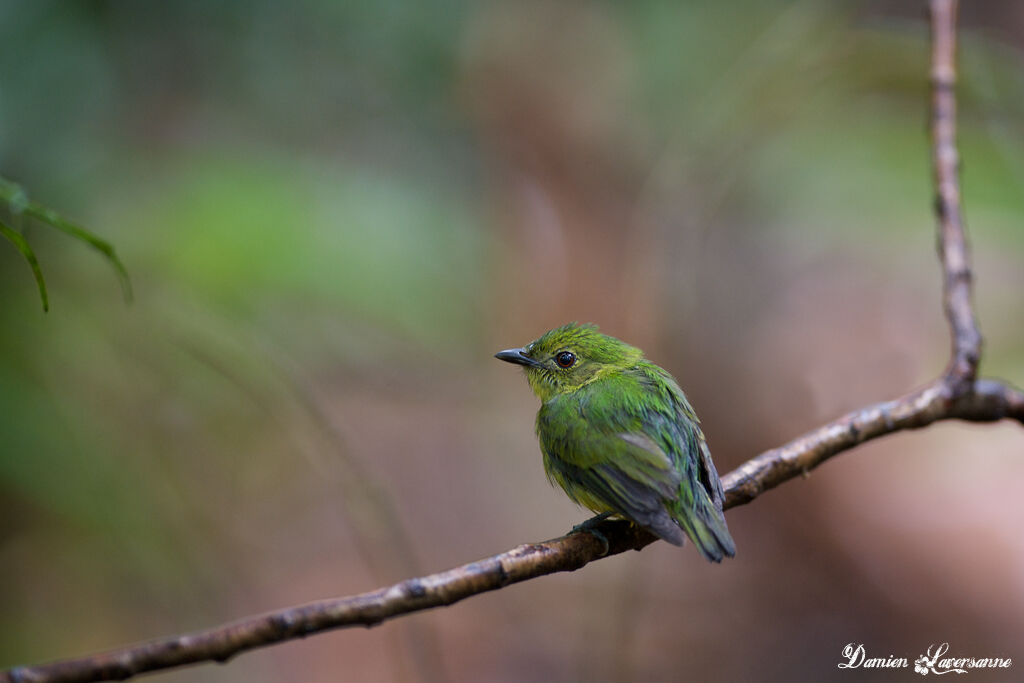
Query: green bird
x=619, y=436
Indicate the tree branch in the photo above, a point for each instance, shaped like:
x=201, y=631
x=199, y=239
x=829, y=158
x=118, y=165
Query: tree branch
x=985, y=401
x=952, y=244
x=954, y=395
x=988, y=401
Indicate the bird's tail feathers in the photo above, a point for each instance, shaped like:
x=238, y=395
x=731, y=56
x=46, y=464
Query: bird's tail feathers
x=707, y=528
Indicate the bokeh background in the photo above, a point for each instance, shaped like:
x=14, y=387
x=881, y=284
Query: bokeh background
x=333, y=214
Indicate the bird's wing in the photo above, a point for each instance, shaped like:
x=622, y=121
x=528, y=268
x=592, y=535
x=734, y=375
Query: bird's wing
x=609, y=463
x=640, y=501
x=675, y=427
x=677, y=430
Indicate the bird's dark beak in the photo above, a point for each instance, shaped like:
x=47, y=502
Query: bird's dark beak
x=517, y=356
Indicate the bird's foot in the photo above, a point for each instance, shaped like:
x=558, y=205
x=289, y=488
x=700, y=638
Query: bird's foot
x=590, y=526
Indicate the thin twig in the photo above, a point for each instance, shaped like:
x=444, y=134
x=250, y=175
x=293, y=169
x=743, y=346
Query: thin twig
x=952, y=244
x=954, y=395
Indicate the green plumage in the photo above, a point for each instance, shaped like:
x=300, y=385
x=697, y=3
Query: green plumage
x=619, y=436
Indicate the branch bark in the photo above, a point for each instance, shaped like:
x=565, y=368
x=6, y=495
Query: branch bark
x=956, y=394
x=953, y=253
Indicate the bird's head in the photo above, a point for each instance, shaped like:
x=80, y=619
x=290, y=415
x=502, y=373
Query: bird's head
x=567, y=357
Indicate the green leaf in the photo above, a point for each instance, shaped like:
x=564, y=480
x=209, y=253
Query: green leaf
x=19, y=203
x=19, y=241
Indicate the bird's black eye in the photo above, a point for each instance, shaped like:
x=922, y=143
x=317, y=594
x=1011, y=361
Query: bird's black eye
x=565, y=359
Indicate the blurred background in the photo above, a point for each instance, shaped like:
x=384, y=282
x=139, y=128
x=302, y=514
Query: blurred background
x=335, y=213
